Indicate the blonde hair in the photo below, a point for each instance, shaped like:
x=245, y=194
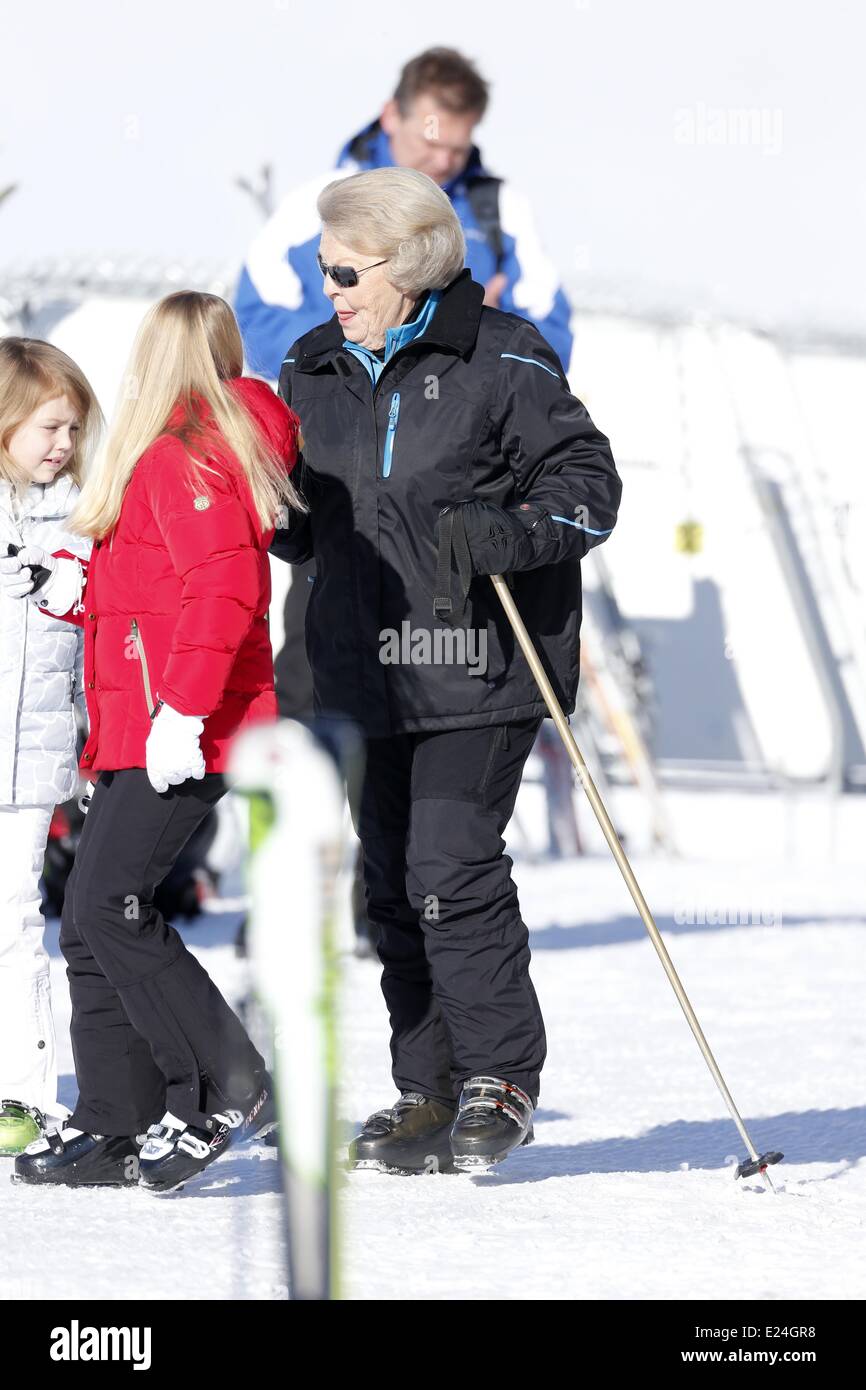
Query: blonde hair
x=31, y=373
x=186, y=352
x=401, y=215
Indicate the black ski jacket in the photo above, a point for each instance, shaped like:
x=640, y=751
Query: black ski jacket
x=476, y=406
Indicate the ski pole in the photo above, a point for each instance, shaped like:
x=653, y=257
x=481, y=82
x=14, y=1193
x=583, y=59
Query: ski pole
x=756, y=1163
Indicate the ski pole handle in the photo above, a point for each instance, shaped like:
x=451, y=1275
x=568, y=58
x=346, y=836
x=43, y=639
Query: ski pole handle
x=39, y=573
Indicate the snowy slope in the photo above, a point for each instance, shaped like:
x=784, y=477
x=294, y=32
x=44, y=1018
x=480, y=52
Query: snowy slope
x=724, y=618
x=625, y=1193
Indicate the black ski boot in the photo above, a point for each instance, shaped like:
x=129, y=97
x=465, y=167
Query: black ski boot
x=412, y=1137
x=258, y=1109
x=493, y=1117
x=259, y=1112
x=71, y=1158
x=174, y=1152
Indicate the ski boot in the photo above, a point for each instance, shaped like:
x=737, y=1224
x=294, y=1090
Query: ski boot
x=20, y=1125
x=493, y=1117
x=70, y=1157
x=411, y=1137
x=258, y=1108
x=174, y=1152
x=260, y=1113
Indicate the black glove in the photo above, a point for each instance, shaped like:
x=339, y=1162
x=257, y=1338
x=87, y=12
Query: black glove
x=476, y=537
x=499, y=538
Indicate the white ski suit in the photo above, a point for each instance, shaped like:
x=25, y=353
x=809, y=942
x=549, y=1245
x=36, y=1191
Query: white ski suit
x=41, y=678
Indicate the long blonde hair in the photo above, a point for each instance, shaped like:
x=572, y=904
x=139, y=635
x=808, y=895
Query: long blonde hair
x=31, y=373
x=187, y=350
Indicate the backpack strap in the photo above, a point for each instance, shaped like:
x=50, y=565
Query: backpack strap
x=362, y=146
x=483, y=196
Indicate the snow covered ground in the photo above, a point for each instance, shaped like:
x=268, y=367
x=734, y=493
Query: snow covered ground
x=627, y=1192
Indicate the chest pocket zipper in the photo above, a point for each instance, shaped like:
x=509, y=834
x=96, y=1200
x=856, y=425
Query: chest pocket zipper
x=393, y=417
x=142, y=659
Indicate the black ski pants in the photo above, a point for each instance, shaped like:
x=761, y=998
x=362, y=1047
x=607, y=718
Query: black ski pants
x=453, y=945
x=150, y=1030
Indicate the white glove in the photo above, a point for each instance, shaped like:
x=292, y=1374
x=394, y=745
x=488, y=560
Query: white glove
x=62, y=588
x=172, y=751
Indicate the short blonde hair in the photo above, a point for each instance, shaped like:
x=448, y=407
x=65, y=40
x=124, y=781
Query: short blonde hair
x=31, y=373
x=401, y=215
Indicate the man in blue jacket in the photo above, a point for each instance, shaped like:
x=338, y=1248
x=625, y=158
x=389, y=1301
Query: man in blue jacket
x=427, y=125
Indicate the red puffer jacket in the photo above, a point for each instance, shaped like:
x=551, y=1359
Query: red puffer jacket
x=176, y=601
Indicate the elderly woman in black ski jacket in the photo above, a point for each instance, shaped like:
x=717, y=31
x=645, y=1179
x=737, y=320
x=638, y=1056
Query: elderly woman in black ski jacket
x=441, y=445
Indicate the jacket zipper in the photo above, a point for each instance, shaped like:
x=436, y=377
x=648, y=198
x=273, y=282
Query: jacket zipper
x=393, y=417
x=142, y=658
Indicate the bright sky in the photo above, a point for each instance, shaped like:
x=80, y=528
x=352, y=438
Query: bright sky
x=700, y=152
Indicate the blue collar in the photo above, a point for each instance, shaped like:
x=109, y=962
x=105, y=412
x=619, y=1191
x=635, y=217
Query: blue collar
x=373, y=151
x=395, y=338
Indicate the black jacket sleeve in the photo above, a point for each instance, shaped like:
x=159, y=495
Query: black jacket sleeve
x=294, y=541
x=566, y=484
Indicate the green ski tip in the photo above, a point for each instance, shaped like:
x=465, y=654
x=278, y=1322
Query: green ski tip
x=17, y=1130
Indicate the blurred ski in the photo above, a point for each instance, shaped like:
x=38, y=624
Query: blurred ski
x=293, y=882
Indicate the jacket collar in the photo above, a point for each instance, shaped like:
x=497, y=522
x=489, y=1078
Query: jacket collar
x=371, y=149
x=453, y=325
x=396, y=338
x=48, y=500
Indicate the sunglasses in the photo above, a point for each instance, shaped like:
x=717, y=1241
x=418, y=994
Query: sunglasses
x=346, y=276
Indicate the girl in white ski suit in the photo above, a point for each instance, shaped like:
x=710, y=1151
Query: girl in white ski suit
x=48, y=415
